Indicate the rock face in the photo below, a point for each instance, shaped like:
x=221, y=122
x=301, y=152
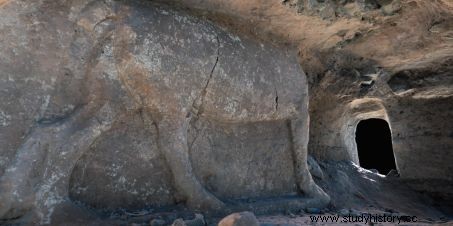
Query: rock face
x=344, y=8
x=388, y=59
x=131, y=105
x=204, y=104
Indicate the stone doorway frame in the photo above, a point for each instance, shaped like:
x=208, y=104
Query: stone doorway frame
x=356, y=111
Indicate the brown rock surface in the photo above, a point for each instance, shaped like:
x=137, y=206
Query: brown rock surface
x=145, y=109
x=239, y=219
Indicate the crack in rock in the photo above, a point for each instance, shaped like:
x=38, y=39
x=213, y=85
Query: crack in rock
x=200, y=100
x=276, y=99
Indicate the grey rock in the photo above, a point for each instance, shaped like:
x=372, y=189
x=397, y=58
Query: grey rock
x=197, y=221
x=392, y=8
x=328, y=11
x=179, y=222
x=314, y=167
x=343, y=212
x=96, y=94
x=136, y=88
x=367, y=4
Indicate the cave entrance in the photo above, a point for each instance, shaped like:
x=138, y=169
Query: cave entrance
x=374, y=145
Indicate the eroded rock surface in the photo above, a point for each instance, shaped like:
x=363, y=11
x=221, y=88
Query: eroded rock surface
x=160, y=107
x=199, y=104
x=366, y=59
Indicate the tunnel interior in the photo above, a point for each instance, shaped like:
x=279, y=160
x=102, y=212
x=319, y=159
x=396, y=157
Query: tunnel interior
x=374, y=145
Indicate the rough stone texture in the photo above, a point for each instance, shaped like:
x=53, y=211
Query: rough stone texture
x=366, y=59
x=314, y=168
x=418, y=110
x=228, y=163
x=344, y=8
x=372, y=59
x=134, y=105
x=162, y=108
x=111, y=174
x=244, y=160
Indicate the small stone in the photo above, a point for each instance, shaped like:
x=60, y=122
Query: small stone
x=313, y=210
x=239, y=219
x=343, y=212
x=367, y=4
x=391, y=9
x=312, y=4
x=179, y=222
x=327, y=12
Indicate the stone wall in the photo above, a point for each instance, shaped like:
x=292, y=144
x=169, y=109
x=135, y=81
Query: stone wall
x=136, y=104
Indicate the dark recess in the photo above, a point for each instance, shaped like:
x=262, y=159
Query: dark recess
x=374, y=145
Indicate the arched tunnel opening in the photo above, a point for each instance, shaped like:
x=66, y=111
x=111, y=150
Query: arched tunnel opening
x=374, y=145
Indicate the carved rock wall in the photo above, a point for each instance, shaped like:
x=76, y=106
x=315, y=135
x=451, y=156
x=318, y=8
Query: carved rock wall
x=87, y=83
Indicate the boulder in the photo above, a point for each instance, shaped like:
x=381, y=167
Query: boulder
x=239, y=219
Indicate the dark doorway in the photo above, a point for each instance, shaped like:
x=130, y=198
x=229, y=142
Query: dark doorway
x=374, y=145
